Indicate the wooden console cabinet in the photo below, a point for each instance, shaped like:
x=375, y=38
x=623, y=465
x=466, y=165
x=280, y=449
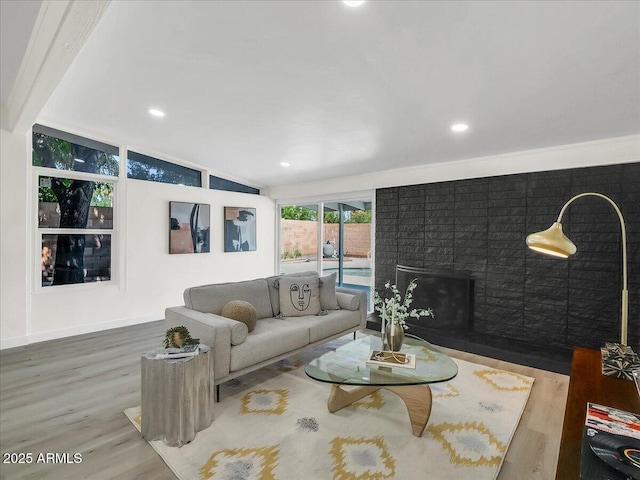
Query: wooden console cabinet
x=587, y=384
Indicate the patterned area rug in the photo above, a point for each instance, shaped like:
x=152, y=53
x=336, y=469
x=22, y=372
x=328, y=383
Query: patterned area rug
x=274, y=424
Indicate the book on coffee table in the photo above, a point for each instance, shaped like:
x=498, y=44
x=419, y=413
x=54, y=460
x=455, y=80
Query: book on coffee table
x=392, y=359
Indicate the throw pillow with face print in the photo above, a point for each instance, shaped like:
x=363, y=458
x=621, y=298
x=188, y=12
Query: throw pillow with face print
x=299, y=296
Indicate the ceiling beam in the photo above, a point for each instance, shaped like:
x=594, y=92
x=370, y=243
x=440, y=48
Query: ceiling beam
x=59, y=33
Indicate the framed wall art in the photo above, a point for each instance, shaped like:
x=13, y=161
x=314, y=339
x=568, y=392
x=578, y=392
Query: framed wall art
x=189, y=227
x=239, y=229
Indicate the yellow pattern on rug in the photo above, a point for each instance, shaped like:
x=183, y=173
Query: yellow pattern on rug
x=426, y=352
x=269, y=402
x=372, y=401
x=469, y=443
x=361, y=459
x=447, y=390
x=286, y=365
x=239, y=462
x=505, y=381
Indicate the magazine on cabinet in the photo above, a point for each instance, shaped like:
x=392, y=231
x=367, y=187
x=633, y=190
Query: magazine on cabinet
x=611, y=444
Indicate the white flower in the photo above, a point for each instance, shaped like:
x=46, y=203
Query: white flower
x=395, y=309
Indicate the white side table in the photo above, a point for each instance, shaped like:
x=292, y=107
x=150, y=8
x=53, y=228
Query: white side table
x=177, y=397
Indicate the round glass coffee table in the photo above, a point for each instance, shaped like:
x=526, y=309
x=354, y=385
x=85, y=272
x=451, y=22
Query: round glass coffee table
x=348, y=365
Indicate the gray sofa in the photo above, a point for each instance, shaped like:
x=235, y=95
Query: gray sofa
x=235, y=350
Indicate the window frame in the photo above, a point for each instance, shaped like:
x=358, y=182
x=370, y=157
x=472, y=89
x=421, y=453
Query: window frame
x=226, y=185
x=78, y=140
x=38, y=232
x=202, y=174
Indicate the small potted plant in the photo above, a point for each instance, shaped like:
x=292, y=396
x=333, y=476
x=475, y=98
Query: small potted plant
x=394, y=312
x=178, y=337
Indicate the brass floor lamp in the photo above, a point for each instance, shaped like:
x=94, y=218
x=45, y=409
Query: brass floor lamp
x=553, y=242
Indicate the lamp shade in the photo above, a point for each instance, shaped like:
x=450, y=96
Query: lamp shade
x=552, y=242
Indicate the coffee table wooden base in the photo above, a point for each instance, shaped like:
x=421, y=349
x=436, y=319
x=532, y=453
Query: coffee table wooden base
x=417, y=399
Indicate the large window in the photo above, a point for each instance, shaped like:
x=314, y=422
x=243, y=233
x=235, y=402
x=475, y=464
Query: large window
x=75, y=207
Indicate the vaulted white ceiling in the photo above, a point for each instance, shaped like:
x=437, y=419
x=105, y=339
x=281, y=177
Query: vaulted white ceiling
x=337, y=91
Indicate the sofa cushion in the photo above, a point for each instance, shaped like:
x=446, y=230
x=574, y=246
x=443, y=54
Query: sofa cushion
x=271, y=337
x=299, y=296
x=212, y=298
x=328, y=299
x=242, y=312
x=333, y=323
x=273, y=284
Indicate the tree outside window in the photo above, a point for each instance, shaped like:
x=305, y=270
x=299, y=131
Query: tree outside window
x=81, y=204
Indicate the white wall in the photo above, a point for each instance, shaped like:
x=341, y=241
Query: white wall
x=150, y=278
x=157, y=274
x=14, y=240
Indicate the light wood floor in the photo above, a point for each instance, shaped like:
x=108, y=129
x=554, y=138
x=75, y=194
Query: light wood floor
x=68, y=395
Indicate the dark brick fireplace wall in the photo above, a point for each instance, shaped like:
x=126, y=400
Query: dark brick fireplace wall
x=480, y=225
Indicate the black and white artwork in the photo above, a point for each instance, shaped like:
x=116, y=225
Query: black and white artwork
x=189, y=227
x=239, y=229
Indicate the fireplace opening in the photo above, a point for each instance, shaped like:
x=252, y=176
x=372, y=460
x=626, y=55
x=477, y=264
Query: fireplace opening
x=449, y=295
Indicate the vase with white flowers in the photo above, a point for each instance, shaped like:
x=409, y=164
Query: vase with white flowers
x=394, y=311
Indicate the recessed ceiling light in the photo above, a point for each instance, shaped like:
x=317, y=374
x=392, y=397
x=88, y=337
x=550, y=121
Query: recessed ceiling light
x=285, y=164
x=156, y=113
x=353, y=3
x=459, y=127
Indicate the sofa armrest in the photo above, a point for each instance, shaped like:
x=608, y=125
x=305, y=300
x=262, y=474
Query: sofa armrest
x=200, y=324
x=211, y=329
x=352, y=299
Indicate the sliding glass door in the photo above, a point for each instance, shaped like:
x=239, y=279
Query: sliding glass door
x=347, y=248
x=337, y=241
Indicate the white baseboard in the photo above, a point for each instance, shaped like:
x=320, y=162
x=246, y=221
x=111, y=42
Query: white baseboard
x=13, y=342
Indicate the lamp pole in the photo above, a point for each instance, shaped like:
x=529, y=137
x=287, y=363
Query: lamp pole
x=625, y=291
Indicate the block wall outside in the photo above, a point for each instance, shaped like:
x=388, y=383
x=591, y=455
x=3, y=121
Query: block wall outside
x=480, y=226
x=303, y=236
x=357, y=238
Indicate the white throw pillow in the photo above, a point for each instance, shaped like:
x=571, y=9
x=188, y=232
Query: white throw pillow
x=299, y=296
